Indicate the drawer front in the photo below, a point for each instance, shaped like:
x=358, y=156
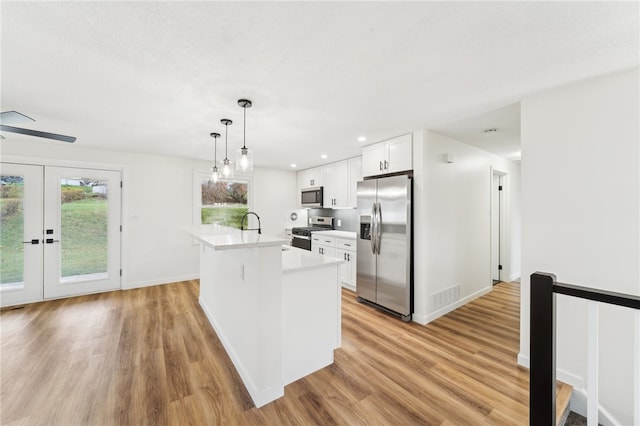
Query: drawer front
x=323, y=240
x=349, y=245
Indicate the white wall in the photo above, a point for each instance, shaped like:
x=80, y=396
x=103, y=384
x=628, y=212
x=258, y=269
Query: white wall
x=580, y=221
x=452, y=231
x=158, y=198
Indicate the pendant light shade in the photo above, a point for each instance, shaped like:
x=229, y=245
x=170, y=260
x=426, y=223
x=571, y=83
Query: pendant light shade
x=214, y=170
x=227, y=170
x=244, y=157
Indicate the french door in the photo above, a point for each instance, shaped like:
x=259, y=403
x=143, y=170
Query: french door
x=59, y=232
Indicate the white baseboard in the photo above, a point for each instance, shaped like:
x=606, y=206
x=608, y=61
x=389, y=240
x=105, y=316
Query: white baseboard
x=579, y=396
x=514, y=278
x=425, y=319
x=149, y=283
x=564, y=376
x=259, y=397
x=349, y=286
x=523, y=360
x=579, y=405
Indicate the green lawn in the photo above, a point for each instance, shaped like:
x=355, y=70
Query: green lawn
x=83, y=239
x=224, y=215
x=11, y=234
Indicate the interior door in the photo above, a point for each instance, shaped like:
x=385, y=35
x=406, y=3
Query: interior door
x=21, y=248
x=81, y=231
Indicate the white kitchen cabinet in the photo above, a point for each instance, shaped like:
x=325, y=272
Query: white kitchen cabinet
x=355, y=176
x=341, y=245
x=336, y=192
x=346, y=250
x=323, y=245
x=310, y=178
x=390, y=156
x=339, y=181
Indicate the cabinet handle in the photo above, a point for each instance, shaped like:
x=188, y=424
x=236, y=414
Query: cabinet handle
x=386, y=165
x=381, y=166
x=348, y=257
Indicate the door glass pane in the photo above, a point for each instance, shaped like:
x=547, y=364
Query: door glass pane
x=83, y=229
x=11, y=232
x=224, y=202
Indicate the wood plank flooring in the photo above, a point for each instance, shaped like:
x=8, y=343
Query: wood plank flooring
x=149, y=357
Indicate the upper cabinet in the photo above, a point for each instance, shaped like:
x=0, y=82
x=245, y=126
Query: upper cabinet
x=311, y=177
x=339, y=181
x=390, y=156
x=336, y=193
x=355, y=176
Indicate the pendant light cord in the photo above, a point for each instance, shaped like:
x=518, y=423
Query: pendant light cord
x=226, y=134
x=244, y=128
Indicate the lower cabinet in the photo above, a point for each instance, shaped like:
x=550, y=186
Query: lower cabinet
x=342, y=248
x=346, y=250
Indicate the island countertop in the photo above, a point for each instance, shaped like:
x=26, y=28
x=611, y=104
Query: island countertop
x=225, y=238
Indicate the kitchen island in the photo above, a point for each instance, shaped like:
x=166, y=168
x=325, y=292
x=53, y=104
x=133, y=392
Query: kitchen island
x=276, y=309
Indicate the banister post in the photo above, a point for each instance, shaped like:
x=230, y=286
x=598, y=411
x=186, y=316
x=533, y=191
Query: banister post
x=542, y=351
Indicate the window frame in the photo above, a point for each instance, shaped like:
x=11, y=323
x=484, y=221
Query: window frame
x=199, y=176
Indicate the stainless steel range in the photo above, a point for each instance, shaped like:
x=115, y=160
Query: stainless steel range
x=302, y=235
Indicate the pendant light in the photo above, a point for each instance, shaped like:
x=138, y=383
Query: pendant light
x=214, y=170
x=244, y=157
x=227, y=170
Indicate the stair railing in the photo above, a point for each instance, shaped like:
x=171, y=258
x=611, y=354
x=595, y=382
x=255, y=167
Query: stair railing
x=542, y=357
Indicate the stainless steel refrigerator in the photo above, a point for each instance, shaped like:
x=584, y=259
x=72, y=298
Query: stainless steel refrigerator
x=384, y=267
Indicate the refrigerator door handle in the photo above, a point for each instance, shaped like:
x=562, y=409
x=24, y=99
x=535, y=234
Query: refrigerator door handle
x=373, y=231
x=378, y=227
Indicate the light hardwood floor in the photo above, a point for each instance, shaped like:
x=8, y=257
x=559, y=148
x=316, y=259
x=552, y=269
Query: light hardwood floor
x=149, y=357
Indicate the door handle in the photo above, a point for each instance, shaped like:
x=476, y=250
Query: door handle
x=34, y=241
x=51, y=241
x=372, y=232
x=378, y=227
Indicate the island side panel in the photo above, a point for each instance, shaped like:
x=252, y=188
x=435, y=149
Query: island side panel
x=311, y=320
x=241, y=293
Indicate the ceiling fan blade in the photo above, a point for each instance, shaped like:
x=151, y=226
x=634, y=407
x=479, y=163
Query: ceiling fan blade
x=14, y=117
x=38, y=133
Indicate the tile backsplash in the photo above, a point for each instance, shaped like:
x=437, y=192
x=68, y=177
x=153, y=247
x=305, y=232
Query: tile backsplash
x=348, y=218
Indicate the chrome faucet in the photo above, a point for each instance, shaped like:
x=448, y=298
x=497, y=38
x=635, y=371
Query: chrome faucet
x=242, y=228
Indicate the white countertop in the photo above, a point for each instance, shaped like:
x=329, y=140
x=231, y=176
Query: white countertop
x=295, y=259
x=339, y=234
x=225, y=238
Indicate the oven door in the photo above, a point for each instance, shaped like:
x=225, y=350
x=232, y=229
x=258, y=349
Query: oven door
x=302, y=242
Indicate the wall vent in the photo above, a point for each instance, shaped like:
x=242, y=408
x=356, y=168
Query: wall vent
x=445, y=297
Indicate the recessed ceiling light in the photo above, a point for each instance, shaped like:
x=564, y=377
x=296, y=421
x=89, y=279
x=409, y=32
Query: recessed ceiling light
x=362, y=139
x=323, y=156
x=293, y=165
x=490, y=130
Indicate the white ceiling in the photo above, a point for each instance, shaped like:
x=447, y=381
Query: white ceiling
x=157, y=77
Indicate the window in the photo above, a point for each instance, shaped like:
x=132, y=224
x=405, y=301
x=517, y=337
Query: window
x=223, y=202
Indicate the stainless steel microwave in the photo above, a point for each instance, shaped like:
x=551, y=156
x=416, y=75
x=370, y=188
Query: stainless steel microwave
x=311, y=197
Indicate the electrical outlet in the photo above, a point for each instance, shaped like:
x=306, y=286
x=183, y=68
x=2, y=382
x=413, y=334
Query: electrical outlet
x=339, y=223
